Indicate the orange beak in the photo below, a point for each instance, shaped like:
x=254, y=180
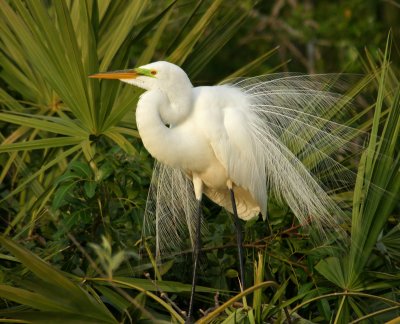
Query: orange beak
x=124, y=74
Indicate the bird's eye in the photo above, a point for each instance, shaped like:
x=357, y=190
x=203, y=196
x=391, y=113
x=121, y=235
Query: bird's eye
x=153, y=72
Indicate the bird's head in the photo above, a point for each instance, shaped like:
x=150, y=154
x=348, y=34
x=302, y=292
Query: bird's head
x=160, y=75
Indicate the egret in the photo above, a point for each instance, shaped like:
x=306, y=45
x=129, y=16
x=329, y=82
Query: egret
x=235, y=143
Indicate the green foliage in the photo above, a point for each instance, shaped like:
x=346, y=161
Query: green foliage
x=375, y=196
x=57, y=297
x=74, y=175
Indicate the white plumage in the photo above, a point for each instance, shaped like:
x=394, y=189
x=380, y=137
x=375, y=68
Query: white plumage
x=212, y=142
x=270, y=134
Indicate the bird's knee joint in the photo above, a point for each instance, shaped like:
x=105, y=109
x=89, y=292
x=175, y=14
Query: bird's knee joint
x=198, y=186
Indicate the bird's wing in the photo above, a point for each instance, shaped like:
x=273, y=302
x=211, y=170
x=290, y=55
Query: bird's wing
x=170, y=208
x=296, y=139
x=236, y=147
x=310, y=116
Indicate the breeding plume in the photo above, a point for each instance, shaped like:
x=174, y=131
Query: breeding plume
x=237, y=143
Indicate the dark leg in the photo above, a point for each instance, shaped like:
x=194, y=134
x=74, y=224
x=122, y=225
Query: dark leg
x=239, y=238
x=196, y=251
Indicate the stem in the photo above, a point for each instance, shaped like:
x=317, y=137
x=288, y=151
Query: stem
x=340, y=309
x=196, y=252
x=345, y=294
x=217, y=311
x=239, y=239
x=381, y=311
x=168, y=307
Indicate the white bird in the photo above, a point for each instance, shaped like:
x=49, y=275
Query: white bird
x=236, y=142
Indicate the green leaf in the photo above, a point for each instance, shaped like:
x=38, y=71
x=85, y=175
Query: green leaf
x=41, y=144
x=119, y=30
x=122, y=142
x=32, y=177
x=146, y=284
x=59, y=292
x=114, y=298
x=29, y=298
x=378, y=179
x=217, y=37
x=179, y=55
x=105, y=171
x=81, y=169
x=61, y=194
x=163, y=19
x=331, y=268
x=90, y=188
x=248, y=68
x=55, y=317
x=63, y=126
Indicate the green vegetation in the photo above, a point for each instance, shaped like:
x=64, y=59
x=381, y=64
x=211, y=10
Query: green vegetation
x=74, y=175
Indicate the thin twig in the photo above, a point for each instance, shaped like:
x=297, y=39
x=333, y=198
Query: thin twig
x=164, y=295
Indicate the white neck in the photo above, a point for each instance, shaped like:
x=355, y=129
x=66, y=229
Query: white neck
x=179, y=105
x=157, y=138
